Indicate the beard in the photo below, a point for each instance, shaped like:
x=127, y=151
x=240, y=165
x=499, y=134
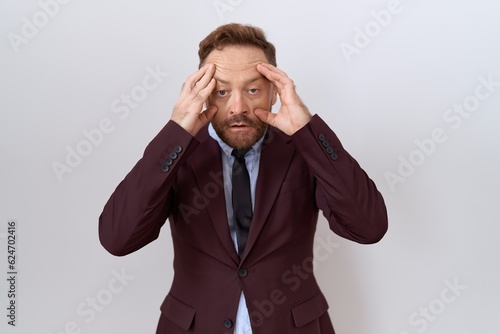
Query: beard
x=240, y=141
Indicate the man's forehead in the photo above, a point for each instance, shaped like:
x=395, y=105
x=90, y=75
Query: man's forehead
x=237, y=59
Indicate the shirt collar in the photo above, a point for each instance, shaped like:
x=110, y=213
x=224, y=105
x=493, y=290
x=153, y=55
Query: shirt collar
x=257, y=147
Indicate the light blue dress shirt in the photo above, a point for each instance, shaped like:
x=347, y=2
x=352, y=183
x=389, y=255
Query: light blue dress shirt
x=252, y=159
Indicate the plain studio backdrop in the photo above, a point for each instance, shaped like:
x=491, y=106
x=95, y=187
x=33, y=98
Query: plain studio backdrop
x=412, y=88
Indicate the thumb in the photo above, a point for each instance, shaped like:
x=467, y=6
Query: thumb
x=265, y=115
x=207, y=115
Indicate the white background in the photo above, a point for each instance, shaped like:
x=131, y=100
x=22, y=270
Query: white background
x=397, y=89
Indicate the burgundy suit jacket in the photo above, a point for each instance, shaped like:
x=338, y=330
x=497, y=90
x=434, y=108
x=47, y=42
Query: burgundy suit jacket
x=180, y=178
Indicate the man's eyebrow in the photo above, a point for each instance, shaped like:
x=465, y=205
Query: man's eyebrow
x=249, y=81
x=257, y=78
x=220, y=80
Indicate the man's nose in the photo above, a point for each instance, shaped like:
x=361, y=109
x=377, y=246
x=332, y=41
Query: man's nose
x=238, y=104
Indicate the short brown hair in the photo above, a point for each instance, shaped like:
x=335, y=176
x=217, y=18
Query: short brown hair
x=236, y=34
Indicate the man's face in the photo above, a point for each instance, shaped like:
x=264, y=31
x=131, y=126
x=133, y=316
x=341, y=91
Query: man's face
x=239, y=91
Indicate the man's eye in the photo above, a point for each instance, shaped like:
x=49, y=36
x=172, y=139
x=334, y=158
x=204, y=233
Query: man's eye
x=221, y=92
x=253, y=91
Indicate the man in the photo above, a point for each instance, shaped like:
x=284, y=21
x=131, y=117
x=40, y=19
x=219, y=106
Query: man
x=242, y=222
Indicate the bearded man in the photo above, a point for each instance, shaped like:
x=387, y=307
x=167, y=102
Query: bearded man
x=242, y=187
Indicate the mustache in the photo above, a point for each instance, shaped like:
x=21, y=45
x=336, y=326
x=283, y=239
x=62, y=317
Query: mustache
x=240, y=119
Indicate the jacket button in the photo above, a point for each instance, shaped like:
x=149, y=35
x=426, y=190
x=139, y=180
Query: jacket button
x=169, y=162
x=228, y=323
x=321, y=137
x=243, y=272
x=165, y=168
x=326, y=143
x=173, y=155
x=334, y=156
x=329, y=150
x=178, y=149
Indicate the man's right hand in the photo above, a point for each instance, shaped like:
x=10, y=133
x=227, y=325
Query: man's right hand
x=195, y=91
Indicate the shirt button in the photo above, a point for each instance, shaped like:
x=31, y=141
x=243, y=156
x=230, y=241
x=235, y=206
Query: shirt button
x=178, y=149
x=243, y=272
x=228, y=323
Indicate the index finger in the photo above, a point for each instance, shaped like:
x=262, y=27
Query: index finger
x=272, y=68
x=200, y=79
x=279, y=78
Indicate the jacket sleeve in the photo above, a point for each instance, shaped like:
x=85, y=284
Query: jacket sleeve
x=141, y=203
x=348, y=198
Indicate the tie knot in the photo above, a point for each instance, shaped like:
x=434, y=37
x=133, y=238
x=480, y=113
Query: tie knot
x=239, y=154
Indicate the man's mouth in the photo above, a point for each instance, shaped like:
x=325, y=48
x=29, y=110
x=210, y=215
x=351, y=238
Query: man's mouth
x=239, y=127
x=239, y=122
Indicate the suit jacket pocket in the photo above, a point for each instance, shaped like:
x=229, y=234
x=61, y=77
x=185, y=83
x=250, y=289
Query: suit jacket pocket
x=179, y=313
x=309, y=310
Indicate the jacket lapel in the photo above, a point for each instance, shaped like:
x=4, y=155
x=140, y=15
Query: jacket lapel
x=207, y=169
x=275, y=159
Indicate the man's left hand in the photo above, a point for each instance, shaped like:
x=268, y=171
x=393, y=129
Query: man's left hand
x=293, y=114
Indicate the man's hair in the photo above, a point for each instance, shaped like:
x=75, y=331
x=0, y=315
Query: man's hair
x=236, y=34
